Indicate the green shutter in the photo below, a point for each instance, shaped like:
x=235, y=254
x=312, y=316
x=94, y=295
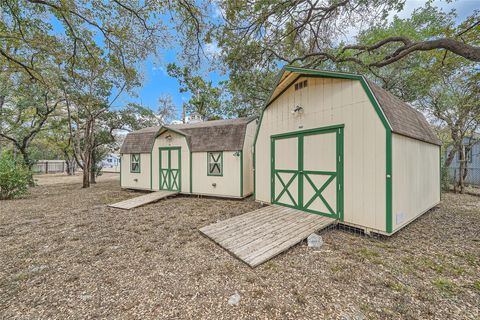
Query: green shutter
x=135, y=163
x=215, y=163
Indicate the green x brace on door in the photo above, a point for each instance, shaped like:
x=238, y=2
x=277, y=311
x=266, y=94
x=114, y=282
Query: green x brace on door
x=170, y=168
x=307, y=171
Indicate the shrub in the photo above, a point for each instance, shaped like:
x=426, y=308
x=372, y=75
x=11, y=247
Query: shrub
x=14, y=177
x=445, y=178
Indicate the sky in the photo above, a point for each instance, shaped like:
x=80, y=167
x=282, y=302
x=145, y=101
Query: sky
x=157, y=82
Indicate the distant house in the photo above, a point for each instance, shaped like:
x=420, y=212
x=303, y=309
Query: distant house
x=472, y=157
x=111, y=163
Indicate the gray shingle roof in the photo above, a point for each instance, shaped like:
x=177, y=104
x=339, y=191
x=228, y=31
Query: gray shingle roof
x=403, y=119
x=140, y=141
x=216, y=135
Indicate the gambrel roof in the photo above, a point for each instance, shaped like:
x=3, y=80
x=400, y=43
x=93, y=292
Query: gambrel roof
x=401, y=118
x=216, y=135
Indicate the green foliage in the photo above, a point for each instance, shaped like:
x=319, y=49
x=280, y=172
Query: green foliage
x=205, y=98
x=262, y=36
x=445, y=178
x=440, y=84
x=14, y=177
x=131, y=117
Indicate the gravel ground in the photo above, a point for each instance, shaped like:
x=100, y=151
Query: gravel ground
x=60, y=178
x=65, y=255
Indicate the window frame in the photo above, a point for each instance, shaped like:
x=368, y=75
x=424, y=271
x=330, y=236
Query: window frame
x=132, y=155
x=219, y=161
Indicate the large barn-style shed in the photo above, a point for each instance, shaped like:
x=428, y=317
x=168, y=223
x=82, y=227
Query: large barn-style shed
x=336, y=144
x=212, y=158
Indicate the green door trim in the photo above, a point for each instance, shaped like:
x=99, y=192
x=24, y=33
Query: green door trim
x=169, y=173
x=191, y=187
x=121, y=171
x=151, y=154
x=241, y=173
x=318, y=192
x=285, y=187
x=388, y=130
x=301, y=174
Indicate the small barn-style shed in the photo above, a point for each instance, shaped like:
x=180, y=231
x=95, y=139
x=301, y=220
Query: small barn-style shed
x=212, y=158
x=338, y=145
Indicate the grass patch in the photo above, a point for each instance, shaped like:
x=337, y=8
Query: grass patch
x=470, y=259
x=22, y=276
x=270, y=265
x=368, y=253
x=476, y=285
x=444, y=285
x=395, y=285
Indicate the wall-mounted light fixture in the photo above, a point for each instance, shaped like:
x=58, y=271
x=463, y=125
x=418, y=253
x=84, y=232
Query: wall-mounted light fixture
x=297, y=110
x=168, y=137
x=236, y=154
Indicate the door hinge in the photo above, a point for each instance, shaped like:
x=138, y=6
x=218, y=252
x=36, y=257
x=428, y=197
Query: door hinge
x=339, y=187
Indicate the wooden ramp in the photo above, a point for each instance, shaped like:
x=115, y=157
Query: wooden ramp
x=142, y=200
x=258, y=236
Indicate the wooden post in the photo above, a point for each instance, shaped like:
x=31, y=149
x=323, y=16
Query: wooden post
x=46, y=166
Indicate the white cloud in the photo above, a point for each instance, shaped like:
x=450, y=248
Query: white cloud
x=218, y=12
x=212, y=50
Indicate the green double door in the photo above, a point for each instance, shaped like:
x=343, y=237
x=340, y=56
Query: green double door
x=307, y=171
x=170, y=168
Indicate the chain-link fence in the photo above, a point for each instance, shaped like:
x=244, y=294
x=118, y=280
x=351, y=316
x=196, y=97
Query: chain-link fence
x=473, y=176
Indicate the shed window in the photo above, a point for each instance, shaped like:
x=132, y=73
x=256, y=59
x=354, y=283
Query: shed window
x=214, y=163
x=135, y=163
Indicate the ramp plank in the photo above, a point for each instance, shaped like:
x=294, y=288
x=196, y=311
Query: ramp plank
x=142, y=200
x=259, y=235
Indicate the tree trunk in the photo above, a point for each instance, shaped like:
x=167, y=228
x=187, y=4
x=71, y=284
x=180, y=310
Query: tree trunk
x=93, y=173
x=86, y=172
x=28, y=163
x=465, y=166
x=460, y=183
x=450, y=157
x=70, y=163
x=2, y=101
x=87, y=153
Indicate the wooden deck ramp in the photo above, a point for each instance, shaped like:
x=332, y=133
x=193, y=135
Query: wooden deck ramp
x=258, y=236
x=142, y=200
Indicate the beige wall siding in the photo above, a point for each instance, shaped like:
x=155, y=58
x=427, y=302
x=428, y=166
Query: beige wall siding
x=227, y=185
x=332, y=102
x=132, y=180
x=248, y=158
x=176, y=141
x=416, y=178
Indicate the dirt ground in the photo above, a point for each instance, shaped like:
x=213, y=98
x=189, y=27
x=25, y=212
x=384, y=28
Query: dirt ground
x=60, y=178
x=65, y=255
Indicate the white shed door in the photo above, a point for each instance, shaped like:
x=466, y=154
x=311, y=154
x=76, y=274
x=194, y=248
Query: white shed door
x=307, y=171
